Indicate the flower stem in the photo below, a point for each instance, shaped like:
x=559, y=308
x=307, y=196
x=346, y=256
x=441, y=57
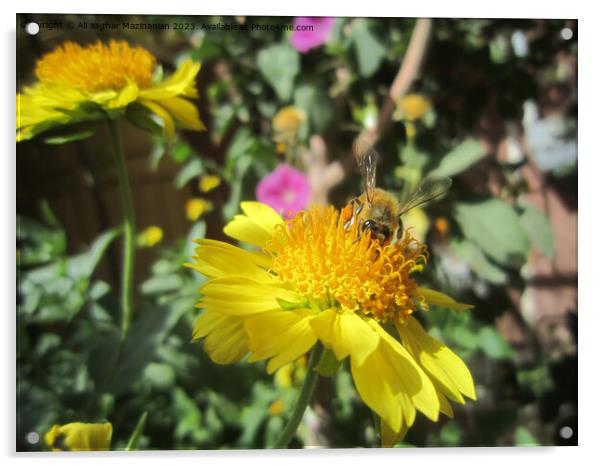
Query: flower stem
x=129, y=228
x=304, y=397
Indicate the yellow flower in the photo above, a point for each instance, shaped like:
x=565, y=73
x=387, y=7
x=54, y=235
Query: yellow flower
x=288, y=119
x=209, y=182
x=286, y=124
x=150, y=236
x=412, y=107
x=276, y=408
x=312, y=280
x=79, y=436
x=76, y=83
x=197, y=207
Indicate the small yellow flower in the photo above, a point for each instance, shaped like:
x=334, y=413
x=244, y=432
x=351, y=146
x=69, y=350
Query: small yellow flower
x=312, y=280
x=276, y=408
x=209, y=182
x=150, y=236
x=79, y=436
x=286, y=124
x=197, y=207
x=412, y=107
x=76, y=83
x=288, y=120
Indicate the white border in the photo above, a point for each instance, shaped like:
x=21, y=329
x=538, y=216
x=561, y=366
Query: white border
x=590, y=154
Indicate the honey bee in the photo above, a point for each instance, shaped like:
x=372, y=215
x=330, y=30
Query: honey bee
x=379, y=211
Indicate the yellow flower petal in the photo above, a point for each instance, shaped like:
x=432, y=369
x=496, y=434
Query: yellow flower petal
x=441, y=299
x=388, y=437
x=181, y=83
x=184, y=111
x=242, y=296
x=441, y=363
x=128, y=94
x=345, y=333
x=375, y=381
x=168, y=123
x=79, y=436
x=216, y=259
x=417, y=385
x=226, y=340
x=209, y=182
x=256, y=226
x=282, y=336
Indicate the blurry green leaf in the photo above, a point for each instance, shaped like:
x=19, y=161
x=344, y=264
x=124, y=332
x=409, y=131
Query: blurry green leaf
x=461, y=157
x=141, y=116
x=369, y=51
x=316, y=104
x=160, y=284
x=49, y=216
x=188, y=415
x=495, y=227
x=273, y=429
x=135, y=437
x=478, y=262
x=115, y=366
x=181, y=151
x=83, y=265
x=451, y=434
x=328, y=364
x=538, y=380
x=538, y=229
x=160, y=375
x=189, y=171
x=56, y=140
x=279, y=64
x=524, y=438
x=493, y=344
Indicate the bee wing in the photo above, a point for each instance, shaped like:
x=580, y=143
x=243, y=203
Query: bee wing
x=366, y=158
x=430, y=188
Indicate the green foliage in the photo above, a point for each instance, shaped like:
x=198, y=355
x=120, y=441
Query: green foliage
x=279, y=65
x=159, y=389
x=495, y=227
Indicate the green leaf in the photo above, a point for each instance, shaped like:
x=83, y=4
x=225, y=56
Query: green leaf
x=538, y=229
x=524, y=438
x=83, y=265
x=64, y=139
x=495, y=227
x=192, y=169
x=279, y=65
x=478, y=262
x=493, y=344
x=451, y=434
x=161, y=284
x=316, y=104
x=460, y=158
x=368, y=50
x=141, y=116
x=135, y=437
x=328, y=364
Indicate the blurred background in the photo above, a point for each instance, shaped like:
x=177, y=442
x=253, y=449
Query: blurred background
x=491, y=103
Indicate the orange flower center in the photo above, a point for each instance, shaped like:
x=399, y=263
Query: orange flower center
x=96, y=67
x=321, y=260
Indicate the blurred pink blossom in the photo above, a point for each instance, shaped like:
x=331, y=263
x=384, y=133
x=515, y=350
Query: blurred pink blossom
x=305, y=40
x=285, y=189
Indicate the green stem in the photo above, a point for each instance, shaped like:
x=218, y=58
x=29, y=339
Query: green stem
x=304, y=397
x=129, y=228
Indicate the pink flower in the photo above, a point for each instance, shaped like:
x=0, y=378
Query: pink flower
x=286, y=190
x=309, y=39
